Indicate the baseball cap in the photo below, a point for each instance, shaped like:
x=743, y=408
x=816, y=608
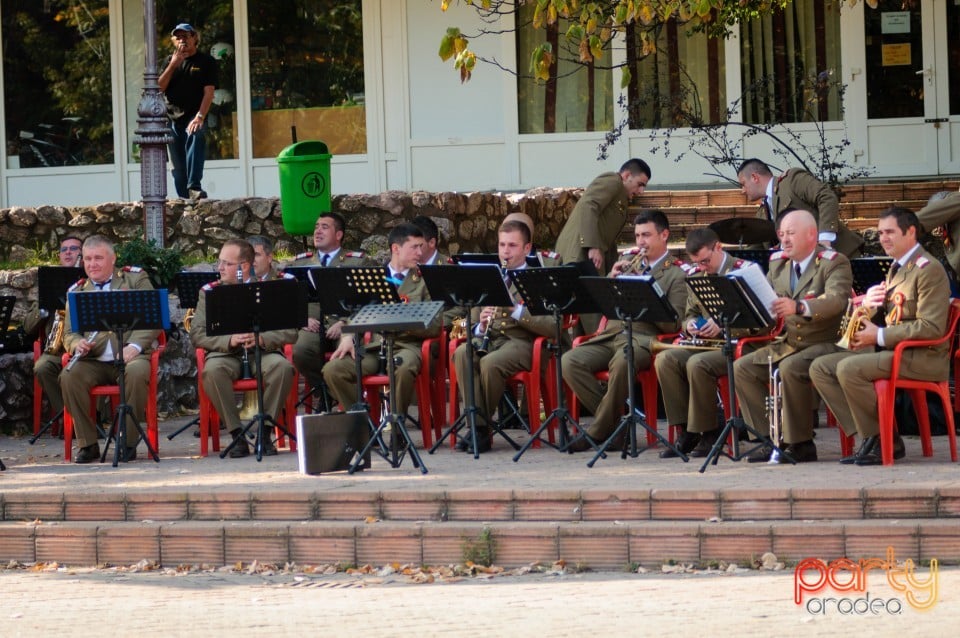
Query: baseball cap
x=183, y=26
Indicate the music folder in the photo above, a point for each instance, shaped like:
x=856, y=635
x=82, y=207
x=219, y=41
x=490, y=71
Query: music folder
x=331, y=442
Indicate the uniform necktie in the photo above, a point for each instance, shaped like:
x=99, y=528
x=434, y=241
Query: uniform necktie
x=766, y=207
x=325, y=260
x=398, y=276
x=101, y=286
x=796, y=281
x=894, y=269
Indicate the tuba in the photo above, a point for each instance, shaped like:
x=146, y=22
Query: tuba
x=54, y=344
x=851, y=323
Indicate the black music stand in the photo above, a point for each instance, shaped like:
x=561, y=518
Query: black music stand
x=52, y=285
x=869, y=271
x=532, y=261
x=120, y=312
x=189, y=284
x=344, y=291
x=302, y=274
x=257, y=307
x=555, y=292
x=7, y=302
x=467, y=286
x=390, y=320
x=630, y=299
x=732, y=304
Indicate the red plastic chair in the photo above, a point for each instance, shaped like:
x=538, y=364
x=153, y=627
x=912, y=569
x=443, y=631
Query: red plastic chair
x=37, y=389
x=210, y=420
x=886, y=390
x=430, y=395
x=649, y=388
x=113, y=391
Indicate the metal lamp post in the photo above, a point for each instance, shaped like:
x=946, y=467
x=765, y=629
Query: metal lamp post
x=152, y=135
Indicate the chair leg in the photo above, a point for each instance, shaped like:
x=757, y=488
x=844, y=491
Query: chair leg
x=922, y=412
x=885, y=394
x=67, y=436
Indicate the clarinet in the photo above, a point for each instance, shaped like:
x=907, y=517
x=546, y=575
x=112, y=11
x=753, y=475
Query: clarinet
x=76, y=355
x=245, y=371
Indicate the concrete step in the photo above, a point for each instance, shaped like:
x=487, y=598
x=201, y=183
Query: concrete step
x=597, y=545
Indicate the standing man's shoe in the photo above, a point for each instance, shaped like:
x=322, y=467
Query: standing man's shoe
x=88, y=454
x=197, y=194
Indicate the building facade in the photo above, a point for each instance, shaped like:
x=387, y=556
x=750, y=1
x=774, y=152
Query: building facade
x=364, y=76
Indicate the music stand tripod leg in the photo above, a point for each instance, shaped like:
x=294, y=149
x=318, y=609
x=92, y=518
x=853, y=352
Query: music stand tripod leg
x=46, y=426
x=469, y=416
x=124, y=411
x=361, y=405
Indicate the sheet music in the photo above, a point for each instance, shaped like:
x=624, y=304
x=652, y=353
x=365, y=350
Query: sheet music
x=755, y=279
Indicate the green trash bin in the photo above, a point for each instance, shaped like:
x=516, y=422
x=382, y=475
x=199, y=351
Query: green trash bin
x=304, y=185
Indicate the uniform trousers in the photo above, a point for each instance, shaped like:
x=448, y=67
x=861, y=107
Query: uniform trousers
x=340, y=375
x=47, y=370
x=505, y=358
x=77, y=382
x=220, y=370
x=752, y=373
x=309, y=354
x=688, y=382
x=579, y=367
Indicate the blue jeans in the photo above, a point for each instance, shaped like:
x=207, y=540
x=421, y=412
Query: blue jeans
x=187, y=154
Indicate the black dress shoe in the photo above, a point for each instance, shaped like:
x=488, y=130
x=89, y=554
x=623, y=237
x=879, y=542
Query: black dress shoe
x=687, y=442
x=240, y=447
x=484, y=442
x=761, y=454
x=866, y=448
x=130, y=454
x=804, y=452
x=581, y=444
x=874, y=457
x=705, y=444
x=465, y=442
x=269, y=449
x=88, y=454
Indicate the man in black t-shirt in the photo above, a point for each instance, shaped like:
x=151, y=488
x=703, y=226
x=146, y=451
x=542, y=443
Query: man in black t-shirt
x=188, y=80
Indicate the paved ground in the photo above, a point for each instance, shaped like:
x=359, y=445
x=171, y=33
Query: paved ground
x=92, y=602
x=40, y=467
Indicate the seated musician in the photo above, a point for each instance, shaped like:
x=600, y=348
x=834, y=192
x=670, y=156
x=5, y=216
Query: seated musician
x=914, y=300
x=605, y=351
x=813, y=286
x=340, y=375
x=688, y=377
x=262, y=257
x=38, y=323
x=322, y=334
x=509, y=333
x=225, y=353
x=95, y=353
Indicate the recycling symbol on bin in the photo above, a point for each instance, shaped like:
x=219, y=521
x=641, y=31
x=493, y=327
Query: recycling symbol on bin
x=313, y=184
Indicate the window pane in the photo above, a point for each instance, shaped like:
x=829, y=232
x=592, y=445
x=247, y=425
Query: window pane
x=895, y=79
x=306, y=68
x=577, y=98
x=56, y=74
x=213, y=19
x=782, y=57
x=682, y=82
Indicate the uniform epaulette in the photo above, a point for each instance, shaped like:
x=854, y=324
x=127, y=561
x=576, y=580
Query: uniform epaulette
x=356, y=254
x=211, y=285
x=78, y=284
x=829, y=255
x=549, y=254
x=285, y=275
x=778, y=255
x=690, y=269
x=922, y=261
x=132, y=269
x=306, y=255
x=738, y=263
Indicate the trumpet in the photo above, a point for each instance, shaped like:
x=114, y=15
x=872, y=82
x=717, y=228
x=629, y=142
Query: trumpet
x=694, y=343
x=77, y=355
x=851, y=324
x=774, y=407
x=54, y=342
x=636, y=265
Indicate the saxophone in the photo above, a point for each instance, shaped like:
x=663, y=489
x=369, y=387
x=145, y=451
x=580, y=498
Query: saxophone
x=54, y=344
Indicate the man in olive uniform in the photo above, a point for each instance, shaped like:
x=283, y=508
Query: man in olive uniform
x=37, y=323
x=321, y=334
x=223, y=364
x=813, y=288
x=96, y=351
x=605, y=351
x=510, y=332
x=798, y=189
x=262, y=257
x=915, y=303
x=687, y=377
x=406, y=250
x=943, y=209
x=431, y=235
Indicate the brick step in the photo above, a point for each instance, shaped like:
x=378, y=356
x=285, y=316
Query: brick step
x=610, y=546
x=590, y=505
